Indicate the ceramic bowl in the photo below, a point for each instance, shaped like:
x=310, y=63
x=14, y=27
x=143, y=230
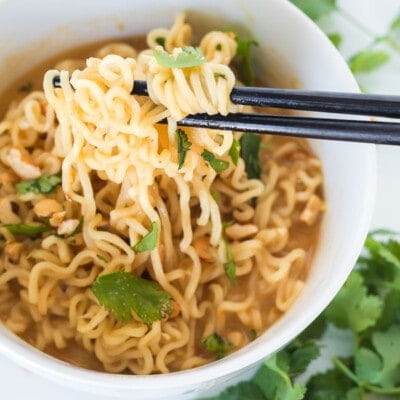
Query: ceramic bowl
x=291, y=50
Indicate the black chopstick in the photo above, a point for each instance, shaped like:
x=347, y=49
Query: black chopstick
x=329, y=102
x=306, y=127
x=315, y=128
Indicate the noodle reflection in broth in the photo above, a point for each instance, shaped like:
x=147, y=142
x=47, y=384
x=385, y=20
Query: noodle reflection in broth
x=231, y=252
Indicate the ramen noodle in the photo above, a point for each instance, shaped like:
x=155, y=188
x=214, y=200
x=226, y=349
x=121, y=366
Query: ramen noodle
x=95, y=184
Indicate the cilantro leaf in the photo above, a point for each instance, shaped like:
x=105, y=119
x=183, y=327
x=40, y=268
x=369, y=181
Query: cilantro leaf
x=367, y=364
x=315, y=330
x=382, y=250
x=335, y=38
x=149, y=241
x=387, y=346
x=230, y=271
x=332, y=385
x=121, y=292
x=393, y=33
x=186, y=58
x=219, y=75
x=160, y=41
x=230, y=265
x=355, y=394
x=316, y=9
x=242, y=391
x=368, y=60
x=216, y=344
x=275, y=382
x=216, y=164
x=345, y=366
x=378, y=273
x=252, y=334
x=183, y=146
x=250, y=152
x=296, y=356
x=384, y=232
x=215, y=195
x=391, y=311
x=243, y=59
x=29, y=230
x=234, y=151
x=272, y=381
x=44, y=184
x=301, y=354
x=395, y=23
x=352, y=307
x=101, y=258
x=381, y=267
x=378, y=371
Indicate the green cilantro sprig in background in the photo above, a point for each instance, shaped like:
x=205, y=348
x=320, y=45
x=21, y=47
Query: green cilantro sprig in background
x=379, y=49
x=274, y=380
x=367, y=308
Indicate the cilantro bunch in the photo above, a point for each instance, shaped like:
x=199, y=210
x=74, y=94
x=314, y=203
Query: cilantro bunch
x=380, y=48
x=368, y=309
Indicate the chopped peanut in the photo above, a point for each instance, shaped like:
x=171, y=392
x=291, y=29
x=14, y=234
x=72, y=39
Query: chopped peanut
x=47, y=207
x=68, y=226
x=312, y=209
x=56, y=219
x=7, y=215
x=12, y=251
x=236, y=338
x=104, y=223
x=202, y=247
x=21, y=163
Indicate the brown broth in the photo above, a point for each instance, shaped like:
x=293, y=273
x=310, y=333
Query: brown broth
x=33, y=79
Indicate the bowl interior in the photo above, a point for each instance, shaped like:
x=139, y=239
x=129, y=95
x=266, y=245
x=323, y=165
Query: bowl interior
x=289, y=46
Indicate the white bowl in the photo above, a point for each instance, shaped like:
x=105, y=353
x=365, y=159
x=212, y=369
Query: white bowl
x=290, y=44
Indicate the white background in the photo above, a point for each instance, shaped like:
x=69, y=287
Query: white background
x=19, y=384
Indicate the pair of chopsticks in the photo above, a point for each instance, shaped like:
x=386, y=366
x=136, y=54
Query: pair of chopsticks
x=366, y=131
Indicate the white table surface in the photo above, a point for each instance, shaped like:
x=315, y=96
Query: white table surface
x=18, y=383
